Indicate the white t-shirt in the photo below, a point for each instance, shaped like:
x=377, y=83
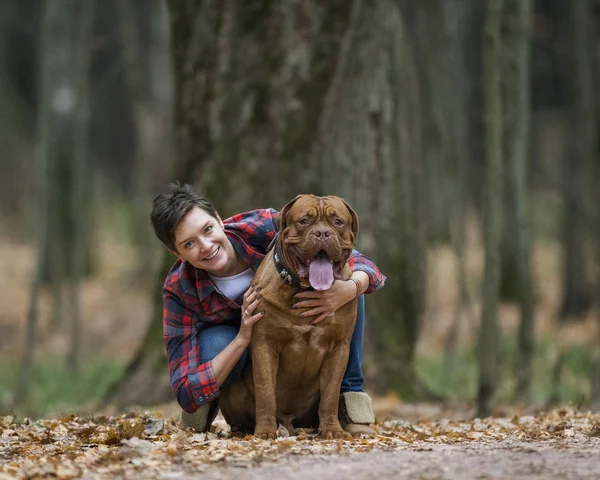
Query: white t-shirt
x=234, y=287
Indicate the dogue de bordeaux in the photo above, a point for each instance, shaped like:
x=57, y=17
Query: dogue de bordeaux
x=297, y=368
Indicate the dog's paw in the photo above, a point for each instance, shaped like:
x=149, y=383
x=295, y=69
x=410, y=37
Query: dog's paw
x=265, y=433
x=335, y=435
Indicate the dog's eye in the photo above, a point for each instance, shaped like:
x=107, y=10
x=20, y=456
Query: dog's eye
x=338, y=223
x=304, y=222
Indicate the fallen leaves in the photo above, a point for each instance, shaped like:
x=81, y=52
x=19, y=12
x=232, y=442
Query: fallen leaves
x=72, y=447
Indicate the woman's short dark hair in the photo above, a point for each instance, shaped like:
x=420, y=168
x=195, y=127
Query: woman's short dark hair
x=171, y=206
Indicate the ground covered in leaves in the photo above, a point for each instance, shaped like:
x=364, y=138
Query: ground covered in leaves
x=561, y=443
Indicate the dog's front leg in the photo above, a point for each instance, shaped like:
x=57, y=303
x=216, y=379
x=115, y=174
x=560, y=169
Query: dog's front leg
x=265, y=361
x=330, y=379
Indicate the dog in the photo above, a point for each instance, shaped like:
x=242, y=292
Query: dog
x=297, y=368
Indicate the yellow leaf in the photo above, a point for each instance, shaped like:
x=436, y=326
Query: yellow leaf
x=172, y=450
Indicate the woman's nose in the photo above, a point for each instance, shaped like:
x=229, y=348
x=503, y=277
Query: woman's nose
x=204, y=244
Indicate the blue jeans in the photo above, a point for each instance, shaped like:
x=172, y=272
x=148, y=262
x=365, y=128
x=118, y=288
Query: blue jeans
x=214, y=339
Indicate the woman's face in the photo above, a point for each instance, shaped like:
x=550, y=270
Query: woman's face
x=201, y=241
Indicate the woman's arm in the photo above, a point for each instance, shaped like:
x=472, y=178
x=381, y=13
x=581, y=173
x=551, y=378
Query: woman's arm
x=224, y=362
x=194, y=382
x=324, y=303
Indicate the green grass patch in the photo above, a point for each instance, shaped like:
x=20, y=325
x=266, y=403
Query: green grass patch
x=456, y=377
x=54, y=390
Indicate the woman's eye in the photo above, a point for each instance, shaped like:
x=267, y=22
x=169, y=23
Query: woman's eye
x=188, y=244
x=208, y=229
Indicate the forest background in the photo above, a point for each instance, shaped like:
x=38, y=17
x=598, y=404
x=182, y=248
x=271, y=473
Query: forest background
x=464, y=133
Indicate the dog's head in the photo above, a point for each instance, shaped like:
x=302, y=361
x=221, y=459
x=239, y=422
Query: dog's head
x=316, y=236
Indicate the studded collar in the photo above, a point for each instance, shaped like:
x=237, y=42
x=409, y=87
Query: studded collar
x=285, y=272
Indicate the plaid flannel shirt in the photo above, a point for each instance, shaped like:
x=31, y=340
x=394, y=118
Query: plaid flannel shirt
x=191, y=302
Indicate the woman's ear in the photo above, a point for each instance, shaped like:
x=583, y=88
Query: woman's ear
x=220, y=221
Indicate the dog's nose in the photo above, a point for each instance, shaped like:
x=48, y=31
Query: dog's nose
x=322, y=233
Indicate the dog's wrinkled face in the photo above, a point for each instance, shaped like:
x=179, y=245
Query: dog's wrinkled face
x=317, y=235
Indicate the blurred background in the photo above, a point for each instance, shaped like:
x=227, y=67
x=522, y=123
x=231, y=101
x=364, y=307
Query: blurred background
x=463, y=132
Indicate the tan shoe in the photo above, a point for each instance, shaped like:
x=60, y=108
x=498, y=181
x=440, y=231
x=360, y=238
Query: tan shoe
x=202, y=418
x=356, y=413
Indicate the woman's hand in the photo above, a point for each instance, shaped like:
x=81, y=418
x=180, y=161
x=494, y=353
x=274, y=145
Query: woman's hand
x=251, y=300
x=324, y=303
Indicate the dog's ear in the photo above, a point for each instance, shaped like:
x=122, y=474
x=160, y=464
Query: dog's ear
x=281, y=219
x=354, y=217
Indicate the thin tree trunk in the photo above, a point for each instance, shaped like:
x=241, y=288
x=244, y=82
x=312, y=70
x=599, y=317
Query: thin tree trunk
x=43, y=218
x=518, y=85
x=149, y=126
x=62, y=48
x=585, y=122
x=580, y=160
x=79, y=183
x=488, y=336
x=440, y=37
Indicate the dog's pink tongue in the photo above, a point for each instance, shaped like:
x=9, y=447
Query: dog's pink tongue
x=320, y=273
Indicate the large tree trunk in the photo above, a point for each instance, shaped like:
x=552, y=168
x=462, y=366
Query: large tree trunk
x=279, y=98
x=494, y=129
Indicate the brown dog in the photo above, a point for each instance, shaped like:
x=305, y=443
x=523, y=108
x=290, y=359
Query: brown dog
x=297, y=368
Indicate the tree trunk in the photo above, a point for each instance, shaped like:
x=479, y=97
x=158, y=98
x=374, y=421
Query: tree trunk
x=494, y=129
x=63, y=25
x=275, y=98
x=402, y=235
x=585, y=123
x=42, y=193
x=519, y=16
x=580, y=161
x=63, y=50
x=149, y=114
x=78, y=187
x=438, y=29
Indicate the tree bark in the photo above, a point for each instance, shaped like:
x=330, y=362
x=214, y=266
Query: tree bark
x=494, y=129
x=64, y=23
x=42, y=195
x=79, y=162
x=519, y=14
x=150, y=115
x=62, y=78
x=581, y=156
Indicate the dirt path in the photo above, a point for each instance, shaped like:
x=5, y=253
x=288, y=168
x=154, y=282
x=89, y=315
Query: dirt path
x=563, y=443
x=505, y=460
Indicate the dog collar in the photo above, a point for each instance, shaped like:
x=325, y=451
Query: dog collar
x=285, y=272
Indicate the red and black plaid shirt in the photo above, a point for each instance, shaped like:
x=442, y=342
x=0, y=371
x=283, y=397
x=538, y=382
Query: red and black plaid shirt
x=192, y=302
